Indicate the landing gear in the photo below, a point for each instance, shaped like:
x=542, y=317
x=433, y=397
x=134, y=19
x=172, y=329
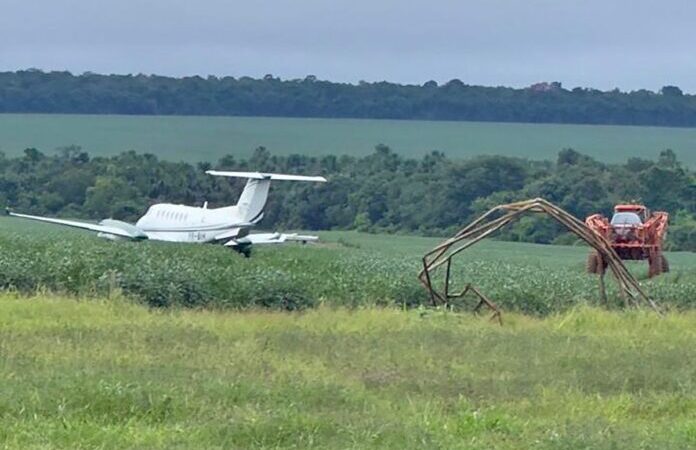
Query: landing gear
x=243, y=249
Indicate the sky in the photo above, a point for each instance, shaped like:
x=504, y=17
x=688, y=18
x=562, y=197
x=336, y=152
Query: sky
x=625, y=44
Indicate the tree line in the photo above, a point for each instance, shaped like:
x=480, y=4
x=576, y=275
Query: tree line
x=35, y=91
x=381, y=192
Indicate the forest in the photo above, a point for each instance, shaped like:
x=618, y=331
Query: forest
x=381, y=192
x=35, y=91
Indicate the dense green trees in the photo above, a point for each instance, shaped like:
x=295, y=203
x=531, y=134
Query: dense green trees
x=379, y=192
x=62, y=92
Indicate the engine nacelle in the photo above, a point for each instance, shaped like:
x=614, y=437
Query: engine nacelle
x=111, y=237
x=134, y=232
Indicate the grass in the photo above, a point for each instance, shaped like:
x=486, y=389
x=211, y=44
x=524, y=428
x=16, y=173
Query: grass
x=358, y=370
x=112, y=374
x=347, y=269
x=196, y=139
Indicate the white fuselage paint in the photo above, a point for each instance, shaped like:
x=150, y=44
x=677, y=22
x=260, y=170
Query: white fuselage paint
x=181, y=223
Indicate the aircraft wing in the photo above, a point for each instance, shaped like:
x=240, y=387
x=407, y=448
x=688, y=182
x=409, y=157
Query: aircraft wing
x=112, y=227
x=271, y=238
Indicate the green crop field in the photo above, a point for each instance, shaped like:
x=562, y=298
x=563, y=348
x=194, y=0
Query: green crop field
x=346, y=269
x=207, y=138
x=151, y=345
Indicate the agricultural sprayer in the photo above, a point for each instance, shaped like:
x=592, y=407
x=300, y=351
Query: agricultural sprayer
x=634, y=234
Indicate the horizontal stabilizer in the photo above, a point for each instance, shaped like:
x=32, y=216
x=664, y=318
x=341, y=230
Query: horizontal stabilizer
x=301, y=237
x=264, y=176
x=271, y=238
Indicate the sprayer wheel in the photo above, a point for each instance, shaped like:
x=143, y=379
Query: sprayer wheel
x=594, y=263
x=665, y=264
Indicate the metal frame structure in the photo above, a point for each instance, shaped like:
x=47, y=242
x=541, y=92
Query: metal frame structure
x=496, y=218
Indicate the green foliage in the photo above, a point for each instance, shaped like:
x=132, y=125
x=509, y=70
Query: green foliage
x=682, y=235
x=109, y=198
x=381, y=192
x=61, y=92
x=347, y=269
x=109, y=374
x=164, y=275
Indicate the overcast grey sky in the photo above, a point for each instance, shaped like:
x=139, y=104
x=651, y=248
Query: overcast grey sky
x=630, y=44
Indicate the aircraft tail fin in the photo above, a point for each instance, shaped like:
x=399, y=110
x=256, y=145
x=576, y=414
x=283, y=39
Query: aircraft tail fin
x=255, y=194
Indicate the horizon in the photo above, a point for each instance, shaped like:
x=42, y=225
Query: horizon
x=629, y=45
x=352, y=83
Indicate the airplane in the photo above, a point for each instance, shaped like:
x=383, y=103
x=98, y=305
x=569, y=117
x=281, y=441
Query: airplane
x=228, y=225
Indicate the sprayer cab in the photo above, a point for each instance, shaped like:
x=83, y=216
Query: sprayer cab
x=641, y=211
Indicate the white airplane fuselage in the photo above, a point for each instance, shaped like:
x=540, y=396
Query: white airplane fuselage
x=181, y=223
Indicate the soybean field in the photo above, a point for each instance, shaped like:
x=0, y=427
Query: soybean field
x=346, y=269
x=194, y=139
